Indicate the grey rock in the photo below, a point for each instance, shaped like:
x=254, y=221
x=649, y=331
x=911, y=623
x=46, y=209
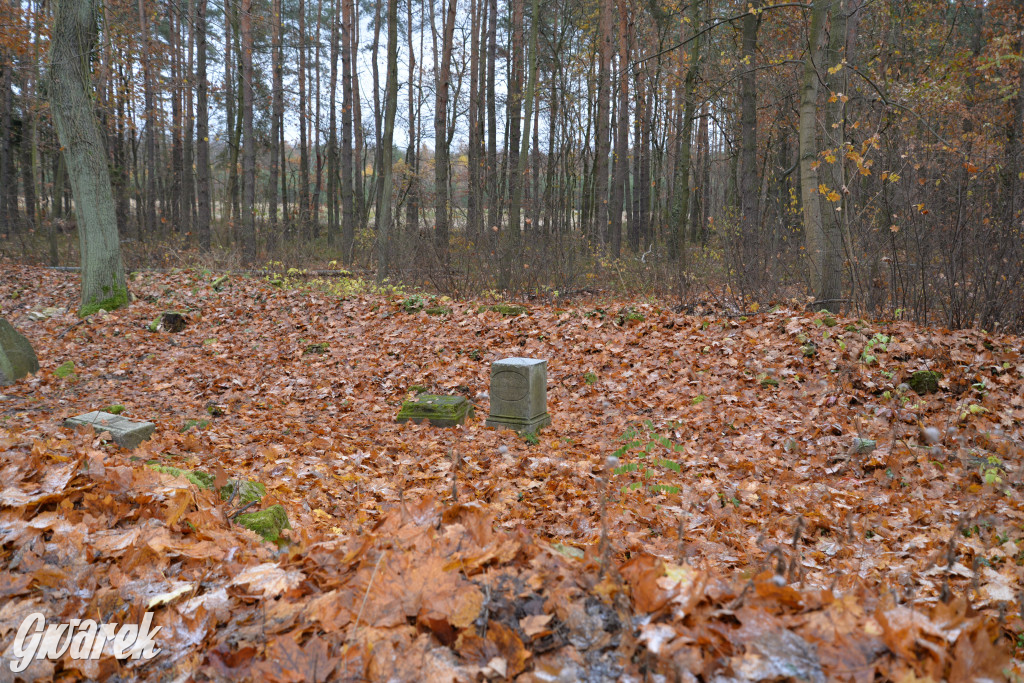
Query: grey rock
x=17, y=359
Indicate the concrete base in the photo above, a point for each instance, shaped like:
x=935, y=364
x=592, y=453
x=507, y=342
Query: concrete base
x=127, y=433
x=520, y=425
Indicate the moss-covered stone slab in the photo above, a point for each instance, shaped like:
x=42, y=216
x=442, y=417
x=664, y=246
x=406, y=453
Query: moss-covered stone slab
x=248, y=492
x=127, y=433
x=925, y=381
x=440, y=411
x=507, y=310
x=267, y=523
x=17, y=358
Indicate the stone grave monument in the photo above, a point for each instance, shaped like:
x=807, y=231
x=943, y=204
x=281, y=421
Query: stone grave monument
x=439, y=411
x=127, y=433
x=17, y=359
x=519, y=395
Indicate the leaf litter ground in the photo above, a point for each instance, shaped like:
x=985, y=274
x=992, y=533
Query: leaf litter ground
x=705, y=507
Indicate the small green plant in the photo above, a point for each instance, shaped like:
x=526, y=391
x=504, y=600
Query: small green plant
x=322, y=347
x=590, y=378
x=65, y=370
x=531, y=438
x=415, y=303
x=114, y=409
x=879, y=342
x=698, y=399
x=643, y=458
x=199, y=424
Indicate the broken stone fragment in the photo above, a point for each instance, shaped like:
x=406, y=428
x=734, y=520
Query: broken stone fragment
x=440, y=411
x=17, y=359
x=127, y=433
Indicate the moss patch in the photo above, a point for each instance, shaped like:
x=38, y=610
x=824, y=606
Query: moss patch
x=438, y=310
x=925, y=381
x=507, y=310
x=65, y=370
x=200, y=424
x=267, y=523
x=249, y=492
x=440, y=411
x=115, y=409
x=203, y=480
x=118, y=299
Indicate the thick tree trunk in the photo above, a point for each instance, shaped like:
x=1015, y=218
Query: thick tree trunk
x=74, y=34
x=249, y=155
x=202, y=131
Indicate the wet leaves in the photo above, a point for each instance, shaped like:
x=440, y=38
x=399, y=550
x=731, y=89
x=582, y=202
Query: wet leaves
x=758, y=542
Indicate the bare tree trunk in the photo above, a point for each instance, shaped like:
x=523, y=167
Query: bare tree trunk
x=332, y=134
x=621, y=138
x=306, y=221
x=348, y=231
x=681, y=185
x=149, y=210
x=824, y=262
x=74, y=36
x=276, y=119
x=202, y=131
x=750, y=218
x=473, y=168
x=412, y=194
x=441, y=203
x=602, y=144
x=493, y=217
x=386, y=144
x=249, y=154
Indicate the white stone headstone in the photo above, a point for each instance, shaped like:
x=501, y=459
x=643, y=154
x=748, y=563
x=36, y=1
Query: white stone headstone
x=519, y=389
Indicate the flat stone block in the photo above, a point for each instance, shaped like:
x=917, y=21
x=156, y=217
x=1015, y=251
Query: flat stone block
x=440, y=411
x=17, y=359
x=127, y=433
x=519, y=394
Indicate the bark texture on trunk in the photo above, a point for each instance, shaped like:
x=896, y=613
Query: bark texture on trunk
x=74, y=33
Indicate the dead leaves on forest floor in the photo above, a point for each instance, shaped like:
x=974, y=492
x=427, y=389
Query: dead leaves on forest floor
x=760, y=547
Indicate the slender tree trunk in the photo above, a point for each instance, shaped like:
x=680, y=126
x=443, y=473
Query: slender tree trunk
x=249, y=154
x=332, y=134
x=472, y=205
x=387, y=142
x=74, y=36
x=362, y=213
x=149, y=210
x=202, y=131
x=8, y=208
x=493, y=217
x=412, y=198
x=824, y=263
x=306, y=221
x=229, y=112
x=621, y=138
x=188, y=177
x=441, y=203
x=750, y=219
x=681, y=185
x=348, y=230
x=602, y=144
x=276, y=119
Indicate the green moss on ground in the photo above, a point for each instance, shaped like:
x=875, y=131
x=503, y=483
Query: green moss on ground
x=203, y=480
x=507, y=310
x=249, y=492
x=267, y=523
x=65, y=370
x=118, y=299
x=925, y=381
x=115, y=409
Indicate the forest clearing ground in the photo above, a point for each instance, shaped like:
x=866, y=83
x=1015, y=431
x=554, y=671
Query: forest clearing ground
x=741, y=429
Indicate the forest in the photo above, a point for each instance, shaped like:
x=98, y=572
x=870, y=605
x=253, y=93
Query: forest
x=864, y=154
x=465, y=340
